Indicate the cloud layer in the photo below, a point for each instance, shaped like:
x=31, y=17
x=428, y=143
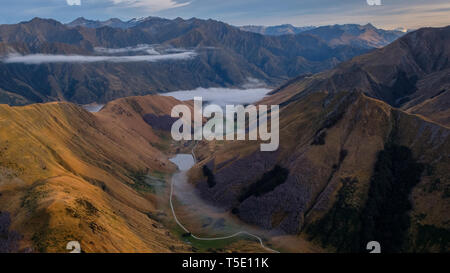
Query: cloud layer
x=222, y=96
x=45, y=58
x=149, y=49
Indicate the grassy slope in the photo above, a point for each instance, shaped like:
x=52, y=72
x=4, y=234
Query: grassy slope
x=360, y=133
x=66, y=174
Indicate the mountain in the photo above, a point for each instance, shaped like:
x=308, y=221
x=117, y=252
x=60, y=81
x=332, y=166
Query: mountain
x=363, y=150
x=358, y=35
x=412, y=73
x=351, y=167
x=221, y=55
x=335, y=35
x=113, y=22
x=276, y=30
x=67, y=174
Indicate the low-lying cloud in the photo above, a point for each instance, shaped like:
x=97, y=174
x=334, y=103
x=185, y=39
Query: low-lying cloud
x=46, y=58
x=222, y=96
x=149, y=49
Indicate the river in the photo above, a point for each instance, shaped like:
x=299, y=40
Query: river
x=199, y=219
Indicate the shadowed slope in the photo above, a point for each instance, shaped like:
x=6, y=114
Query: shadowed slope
x=358, y=168
x=353, y=130
x=411, y=73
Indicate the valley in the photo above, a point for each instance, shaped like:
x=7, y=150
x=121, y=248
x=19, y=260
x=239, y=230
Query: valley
x=337, y=129
x=43, y=60
x=87, y=155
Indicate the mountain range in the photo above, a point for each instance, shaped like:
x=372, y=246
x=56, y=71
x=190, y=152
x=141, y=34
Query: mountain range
x=412, y=73
x=363, y=154
x=364, y=137
x=113, y=22
x=224, y=56
x=285, y=29
x=358, y=35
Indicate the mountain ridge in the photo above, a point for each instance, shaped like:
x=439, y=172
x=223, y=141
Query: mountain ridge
x=226, y=57
x=67, y=174
x=411, y=73
x=343, y=150
x=362, y=35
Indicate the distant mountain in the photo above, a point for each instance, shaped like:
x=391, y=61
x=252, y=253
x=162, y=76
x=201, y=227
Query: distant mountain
x=225, y=56
x=114, y=23
x=358, y=35
x=276, y=30
x=352, y=167
x=412, y=73
x=335, y=35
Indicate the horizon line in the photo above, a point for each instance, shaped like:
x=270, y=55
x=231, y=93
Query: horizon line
x=207, y=19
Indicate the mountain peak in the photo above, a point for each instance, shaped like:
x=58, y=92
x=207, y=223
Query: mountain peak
x=276, y=30
x=113, y=22
x=42, y=20
x=369, y=25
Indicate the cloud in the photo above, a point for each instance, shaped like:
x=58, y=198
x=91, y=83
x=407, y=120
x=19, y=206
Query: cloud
x=153, y=5
x=149, y=49
x=222, y=96
x=253, y=83
x=73, y=2
x=154, y=49
x=45, y=58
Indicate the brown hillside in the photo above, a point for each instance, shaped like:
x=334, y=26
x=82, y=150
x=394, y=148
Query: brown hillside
x=412, y=73
x=330, y=147
x=67, y=174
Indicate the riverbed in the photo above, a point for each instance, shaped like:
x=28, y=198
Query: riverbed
x=200, y=220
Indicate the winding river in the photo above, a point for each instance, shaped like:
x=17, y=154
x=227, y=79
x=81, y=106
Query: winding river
x=192, y=214
x=211, y=223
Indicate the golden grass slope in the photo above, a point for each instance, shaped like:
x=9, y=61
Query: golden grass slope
x=66, y=174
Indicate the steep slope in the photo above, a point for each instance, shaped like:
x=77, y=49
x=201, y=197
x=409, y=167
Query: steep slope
x=67, y=174
x=350, y=168
x=324, y=182
x=225, y=56
x=365, y=36
x=113, y=22
x=411, y=73
x=286, y=29
x=335, y=35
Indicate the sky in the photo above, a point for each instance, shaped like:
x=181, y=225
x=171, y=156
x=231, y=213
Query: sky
x=390, y=14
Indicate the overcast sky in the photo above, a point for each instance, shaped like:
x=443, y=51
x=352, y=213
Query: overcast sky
x=391, y=14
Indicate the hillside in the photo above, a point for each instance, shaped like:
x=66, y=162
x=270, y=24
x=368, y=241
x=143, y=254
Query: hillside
x=67, y=174
x=412, y=73
x=113, y=22
x=221, y=55
x=351, y=168
x=335, y=35
x=337, y=156
x=358, y=35
x=286, y=29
